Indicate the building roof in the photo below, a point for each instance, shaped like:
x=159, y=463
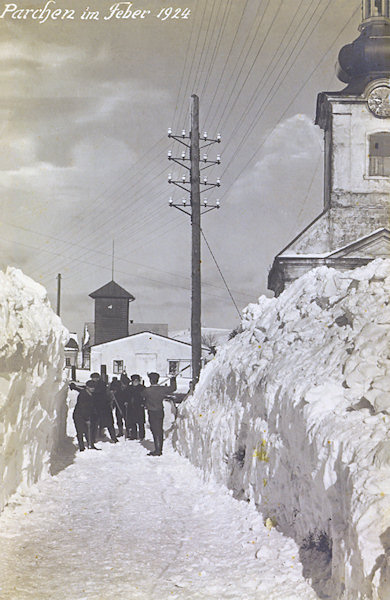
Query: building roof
x=149, y=333
x=72, y=344
x=112, y=290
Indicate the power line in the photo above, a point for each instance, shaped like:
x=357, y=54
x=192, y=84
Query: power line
x=291, y=100
x=220, y=272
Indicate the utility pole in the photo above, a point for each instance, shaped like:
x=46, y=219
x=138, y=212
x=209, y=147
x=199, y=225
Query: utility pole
x=58, y=294
x=113, y=259
x=196, y=301
x=195, y=212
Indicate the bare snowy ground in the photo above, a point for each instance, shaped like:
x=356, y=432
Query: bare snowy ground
x=118, y=524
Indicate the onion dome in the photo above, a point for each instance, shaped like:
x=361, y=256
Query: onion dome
x=368, y=57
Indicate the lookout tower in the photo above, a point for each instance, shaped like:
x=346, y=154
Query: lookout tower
x=111, y=312
x=353, y=228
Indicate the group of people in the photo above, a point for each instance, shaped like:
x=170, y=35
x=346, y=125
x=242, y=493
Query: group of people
x=128, y=398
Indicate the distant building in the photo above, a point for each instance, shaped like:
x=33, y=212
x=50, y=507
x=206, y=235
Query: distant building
x=142, y=353
x=112, y=320
x=111, y=312
x=71, y=350
x=353, y=228
x=159, y=328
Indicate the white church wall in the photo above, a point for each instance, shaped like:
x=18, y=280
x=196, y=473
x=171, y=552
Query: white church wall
x=353, y=123
x=32, y=390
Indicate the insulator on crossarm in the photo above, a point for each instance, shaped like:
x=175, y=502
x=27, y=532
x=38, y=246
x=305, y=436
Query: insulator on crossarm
x=183, y=133
x=218, y=137
x=219, y=159
x=169, y=132
x=169, y=154
x=183, y=178
x=205, y=135
x=205, y=202
x=205, y=180
x=170, y=178
x=217, y=204
x=218, y=181
x=170, y=202
x=184, y=202
x=205, y=157
x=183, y=154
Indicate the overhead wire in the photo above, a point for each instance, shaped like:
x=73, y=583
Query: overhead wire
x=265, y=38
x=294, y=97
x=291, y=30
x=277, y=84
x=206, y=46
x=235, y=77
x=224, y=20
x=226, y=61
x=220, y=272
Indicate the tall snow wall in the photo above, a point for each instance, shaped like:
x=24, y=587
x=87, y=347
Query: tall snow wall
x=293, y=414
x=32, y=391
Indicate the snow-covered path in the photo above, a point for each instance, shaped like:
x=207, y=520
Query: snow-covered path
x=118, y=524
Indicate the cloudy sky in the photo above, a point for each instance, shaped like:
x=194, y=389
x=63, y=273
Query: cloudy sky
x=85, y=107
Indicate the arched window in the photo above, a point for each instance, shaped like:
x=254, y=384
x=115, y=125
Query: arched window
x=376, y=8
x=379, y=154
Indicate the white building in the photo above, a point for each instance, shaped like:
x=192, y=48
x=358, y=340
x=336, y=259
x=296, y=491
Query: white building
x=142, y=353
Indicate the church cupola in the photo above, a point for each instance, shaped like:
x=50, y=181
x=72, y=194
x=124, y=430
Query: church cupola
x=353, y=228
x=368, y=57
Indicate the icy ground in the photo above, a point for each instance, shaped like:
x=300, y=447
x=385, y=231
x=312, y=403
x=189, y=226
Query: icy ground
x=118, y=524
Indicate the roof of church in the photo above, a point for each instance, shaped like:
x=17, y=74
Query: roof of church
x=112, y=290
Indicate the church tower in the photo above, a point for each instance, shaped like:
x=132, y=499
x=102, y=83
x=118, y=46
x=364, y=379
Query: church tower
x=353, y=228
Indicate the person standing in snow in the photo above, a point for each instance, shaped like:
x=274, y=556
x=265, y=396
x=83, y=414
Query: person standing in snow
x=122, y=398
x=103, y=408
x=84, y=415
x=115, y=386
x=137, y=408
x=154, y=396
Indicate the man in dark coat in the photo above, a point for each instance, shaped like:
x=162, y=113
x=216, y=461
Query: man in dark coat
x=114, y=389
x=137, y=408
x=122, y=397
x=103, y=408
x=154, y=396
x=84, y=415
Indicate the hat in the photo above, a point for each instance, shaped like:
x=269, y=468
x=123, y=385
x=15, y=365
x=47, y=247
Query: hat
x=153, y=374
x=124, y=378
x=95, y=375
x=135, y=377
x=154, y=377
x=90, y=383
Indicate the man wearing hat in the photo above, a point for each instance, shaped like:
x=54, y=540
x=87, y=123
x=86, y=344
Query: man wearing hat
x=137, y=408
x=84, y=415
x=154, y=396
x=103, y=408
x=122, y=397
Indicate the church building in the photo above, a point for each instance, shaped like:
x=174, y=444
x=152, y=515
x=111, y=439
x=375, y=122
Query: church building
x=353, y=228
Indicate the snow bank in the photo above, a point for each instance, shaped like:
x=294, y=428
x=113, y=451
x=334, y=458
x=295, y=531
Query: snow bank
x=32, y=392
x=294, y=414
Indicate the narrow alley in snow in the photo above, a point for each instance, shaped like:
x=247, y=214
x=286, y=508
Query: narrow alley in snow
x=118, y=524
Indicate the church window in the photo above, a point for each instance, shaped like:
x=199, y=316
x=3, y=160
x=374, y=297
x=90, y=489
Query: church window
x=379, y=155
x=376, y=8
x=117, y=367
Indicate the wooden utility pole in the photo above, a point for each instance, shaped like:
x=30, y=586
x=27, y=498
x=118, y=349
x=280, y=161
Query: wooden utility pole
x=196, y=209
x=196, y=332
x=58, y=294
